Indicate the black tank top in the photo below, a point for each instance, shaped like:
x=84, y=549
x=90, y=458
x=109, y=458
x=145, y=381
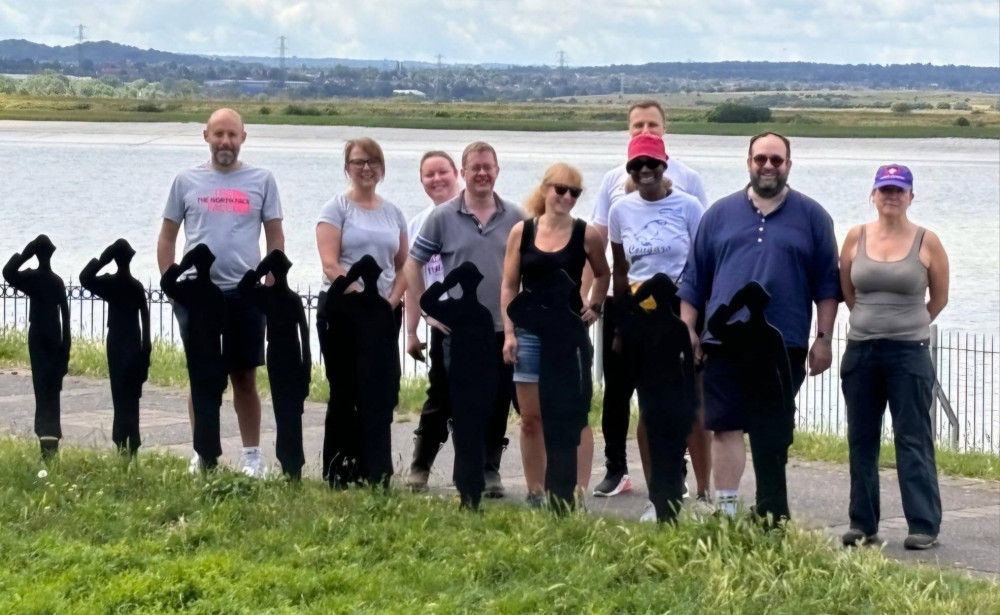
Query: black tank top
x=536, y=264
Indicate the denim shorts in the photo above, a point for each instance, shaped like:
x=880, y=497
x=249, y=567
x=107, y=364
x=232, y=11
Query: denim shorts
x=529, y=357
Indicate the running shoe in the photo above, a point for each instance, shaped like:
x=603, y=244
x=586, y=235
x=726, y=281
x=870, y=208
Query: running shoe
x=251, y=462
x=649, y=514
x=857, y=538
x=613, y=484
x=919, y=542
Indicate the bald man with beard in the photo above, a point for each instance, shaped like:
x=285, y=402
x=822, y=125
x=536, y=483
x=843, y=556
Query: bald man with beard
x=223, y=204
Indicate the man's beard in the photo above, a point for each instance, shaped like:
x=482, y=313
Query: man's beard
x=225, y=157
x=768, y=186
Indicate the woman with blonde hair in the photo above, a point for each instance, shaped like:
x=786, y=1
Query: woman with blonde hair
x=550, y=240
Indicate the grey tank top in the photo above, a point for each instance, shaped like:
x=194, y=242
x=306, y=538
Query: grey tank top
x=890, y=299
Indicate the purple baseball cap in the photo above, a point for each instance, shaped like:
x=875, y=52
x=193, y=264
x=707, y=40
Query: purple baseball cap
x=894, y=175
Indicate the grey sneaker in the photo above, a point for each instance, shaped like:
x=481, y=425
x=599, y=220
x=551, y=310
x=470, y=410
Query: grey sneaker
x=535, y=500
x=494, y=486
x=919, y=542
x=856, y=538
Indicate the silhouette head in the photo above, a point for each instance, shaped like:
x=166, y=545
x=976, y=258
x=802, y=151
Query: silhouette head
x=368, y=271
x=755, y=297
x=277, y=264
x=42, y=247
x=201, y=259
x=122, y=252
x=466, y=276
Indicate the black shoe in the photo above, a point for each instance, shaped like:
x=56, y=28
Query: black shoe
x=856, y=538
x=919, y=542
x=615, y=482
x=424, y=452
x=535, y=500
x=491, y=472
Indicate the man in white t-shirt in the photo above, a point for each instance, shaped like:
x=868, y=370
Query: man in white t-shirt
x=439, y=177
x=644, y=116
x=223, y=204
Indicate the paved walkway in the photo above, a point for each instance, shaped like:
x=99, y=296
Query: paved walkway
x=970, y=532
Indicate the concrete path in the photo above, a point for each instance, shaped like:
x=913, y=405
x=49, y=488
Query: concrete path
x=970, y=533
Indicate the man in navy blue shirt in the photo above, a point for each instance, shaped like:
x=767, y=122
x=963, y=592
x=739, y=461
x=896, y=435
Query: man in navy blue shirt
x=784, y=240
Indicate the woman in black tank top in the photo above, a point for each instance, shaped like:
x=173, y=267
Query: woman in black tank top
x=550, y=241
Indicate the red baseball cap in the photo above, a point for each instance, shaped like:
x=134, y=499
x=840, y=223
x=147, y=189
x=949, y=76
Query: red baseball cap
x=647, y=146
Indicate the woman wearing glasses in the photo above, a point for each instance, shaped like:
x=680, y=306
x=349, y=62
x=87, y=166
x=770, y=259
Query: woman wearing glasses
x=894, y=275
x=651, y=230
x=360, y=222
x=550, y=240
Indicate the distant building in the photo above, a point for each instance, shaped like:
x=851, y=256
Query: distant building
x=416, y=93
x=253, y=86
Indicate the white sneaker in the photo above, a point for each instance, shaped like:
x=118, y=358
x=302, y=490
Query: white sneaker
x=687, y=492
x=703, y=506
x=251, y=462
x=649, y=514
x=729, y=506
x=195, y=466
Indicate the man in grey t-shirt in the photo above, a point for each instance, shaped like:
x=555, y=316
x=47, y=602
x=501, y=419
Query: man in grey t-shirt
x=473, y=227
x=223, y=204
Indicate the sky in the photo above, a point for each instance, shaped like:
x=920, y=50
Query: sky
x=590, y=32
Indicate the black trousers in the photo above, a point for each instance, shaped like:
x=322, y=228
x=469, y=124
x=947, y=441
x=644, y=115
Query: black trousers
x=619, y=385
x=208, y=383
x=900, y=373
x=434, y=416
x=288, y=392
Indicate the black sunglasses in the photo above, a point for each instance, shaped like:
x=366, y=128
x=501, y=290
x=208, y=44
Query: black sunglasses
x=760, y=160
x=639, y=163
x=562, y=189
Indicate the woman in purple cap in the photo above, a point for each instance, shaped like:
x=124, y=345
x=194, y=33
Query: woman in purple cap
x=651, y=230
x=894, y=276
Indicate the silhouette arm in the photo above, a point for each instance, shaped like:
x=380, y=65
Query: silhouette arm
x=66, y=338
x=12, y=270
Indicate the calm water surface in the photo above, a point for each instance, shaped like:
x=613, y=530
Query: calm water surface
x=85, y=185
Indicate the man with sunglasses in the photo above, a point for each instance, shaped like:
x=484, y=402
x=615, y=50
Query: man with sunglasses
x=774, y=235
x=644, y=117
x=473, y=227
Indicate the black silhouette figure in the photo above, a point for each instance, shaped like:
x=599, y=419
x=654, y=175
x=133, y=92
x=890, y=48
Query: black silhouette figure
x=288, y=358
x=48, y=335
x=658, y=349
x=564, y=382
x=129, y=345
x=765, y=381
x=362, y=365
x=473, y=373
x=202, y=303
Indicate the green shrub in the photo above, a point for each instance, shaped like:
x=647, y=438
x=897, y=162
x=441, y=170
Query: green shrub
x=265, y=111
x=944, y=105
x=301, y=110
x=148, y=108
x=961, y=121
x=901, y=107
x=961, y=106
x=734, y=113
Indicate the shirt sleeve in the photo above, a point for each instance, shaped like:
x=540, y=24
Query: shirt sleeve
x=694, y=215
x=602, y=206
x=824, y=277
x=333, y=213
x=428, y=241
x=174, y=210
x=698, y=272
x=272, y=202
x=698, y=190
x=400, y=219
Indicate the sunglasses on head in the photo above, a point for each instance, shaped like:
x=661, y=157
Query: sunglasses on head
x=562, y=189
x=760, y=160
x=639, y=163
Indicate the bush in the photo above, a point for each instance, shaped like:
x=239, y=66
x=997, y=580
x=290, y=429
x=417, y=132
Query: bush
x=961, y=121
x=961, y=106
x=733, y=113
x=901, y=107
x=148, y=108
x=944, y=105
x=265, y=111
x=300, y=110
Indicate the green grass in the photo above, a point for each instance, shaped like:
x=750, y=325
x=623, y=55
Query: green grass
x=88, y=358
x=826, y=447
x=99, y=535
x=537, y=116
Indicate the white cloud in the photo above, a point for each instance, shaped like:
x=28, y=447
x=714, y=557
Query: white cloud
x=532, y=31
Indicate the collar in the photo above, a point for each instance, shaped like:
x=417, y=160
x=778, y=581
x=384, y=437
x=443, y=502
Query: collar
x=463, y=209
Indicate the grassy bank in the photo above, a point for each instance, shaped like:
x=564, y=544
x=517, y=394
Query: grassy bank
x=88, y=358
x=98, y=536
x=504, y=116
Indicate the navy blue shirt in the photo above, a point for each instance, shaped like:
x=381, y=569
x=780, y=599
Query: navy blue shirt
x=791, y=252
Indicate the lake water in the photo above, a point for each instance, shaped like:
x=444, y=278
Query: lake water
x=87, y=184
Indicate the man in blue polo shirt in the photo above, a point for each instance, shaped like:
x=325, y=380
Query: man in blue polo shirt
x=784, y=240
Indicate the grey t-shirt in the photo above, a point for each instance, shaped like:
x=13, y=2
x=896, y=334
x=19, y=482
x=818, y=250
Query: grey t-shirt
x=366, y=231
x=454, y=233
x=224, y=211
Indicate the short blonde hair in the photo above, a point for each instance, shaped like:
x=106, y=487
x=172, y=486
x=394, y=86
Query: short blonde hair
x=369, y=146
x=559, y=173
x=476, y=147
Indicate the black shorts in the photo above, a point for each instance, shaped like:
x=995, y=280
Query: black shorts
x=243, y=338
x=726, y=403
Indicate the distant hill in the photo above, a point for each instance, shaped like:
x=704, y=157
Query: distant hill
x=99, y=52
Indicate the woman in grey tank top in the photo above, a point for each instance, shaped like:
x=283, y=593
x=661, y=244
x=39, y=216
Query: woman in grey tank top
x=894, y=276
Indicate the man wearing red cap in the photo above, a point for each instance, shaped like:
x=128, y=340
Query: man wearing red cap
x=644, y=117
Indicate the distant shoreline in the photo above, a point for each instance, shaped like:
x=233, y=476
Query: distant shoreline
x=531, y=117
